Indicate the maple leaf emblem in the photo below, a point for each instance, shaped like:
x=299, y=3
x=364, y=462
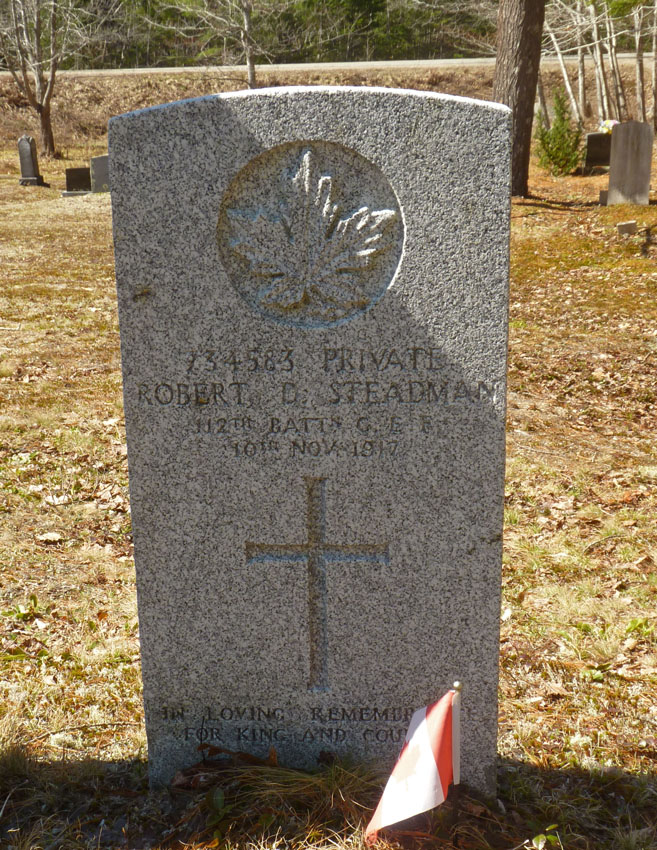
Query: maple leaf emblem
x=308, y=253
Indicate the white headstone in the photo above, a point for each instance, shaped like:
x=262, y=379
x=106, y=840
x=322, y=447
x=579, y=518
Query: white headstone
x=314, y=383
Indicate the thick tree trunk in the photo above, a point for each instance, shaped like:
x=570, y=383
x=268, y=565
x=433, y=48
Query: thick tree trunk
x=519, y=32
x=45, y=131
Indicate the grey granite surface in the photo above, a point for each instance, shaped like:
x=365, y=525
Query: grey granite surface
x=630, y=163
x=312, y=289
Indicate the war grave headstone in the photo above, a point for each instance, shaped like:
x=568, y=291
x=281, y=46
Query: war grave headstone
x=78, y=182
x=314, y=365
x=631, y=159
x=29, y=163
x=598, y=150
x=99, y=173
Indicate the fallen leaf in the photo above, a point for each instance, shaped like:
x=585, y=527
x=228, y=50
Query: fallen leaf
x=50, y=537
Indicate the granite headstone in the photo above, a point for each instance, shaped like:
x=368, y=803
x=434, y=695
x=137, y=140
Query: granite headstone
x=29, y=162
x=314, y=387
x=630, y=163
x=99, y=171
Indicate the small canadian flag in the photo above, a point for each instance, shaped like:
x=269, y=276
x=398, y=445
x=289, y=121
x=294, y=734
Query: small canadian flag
x=427, y=763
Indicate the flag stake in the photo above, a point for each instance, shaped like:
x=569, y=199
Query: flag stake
x=456, y=791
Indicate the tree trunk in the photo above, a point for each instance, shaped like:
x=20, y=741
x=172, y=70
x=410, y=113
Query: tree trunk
x=615, y=69
x=585, y=107
x=519, y=33
x=574, y=106
x=45, y=131
x=247, y=44
x=542, y=102
x=604, y=110
x=598, y=87
x=654, y=67
x=637, y=15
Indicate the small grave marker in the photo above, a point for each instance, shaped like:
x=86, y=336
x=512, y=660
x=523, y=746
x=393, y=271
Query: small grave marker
x=314, y=384
x=626, y=228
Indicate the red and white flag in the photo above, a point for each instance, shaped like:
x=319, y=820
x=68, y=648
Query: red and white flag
x=427, y=763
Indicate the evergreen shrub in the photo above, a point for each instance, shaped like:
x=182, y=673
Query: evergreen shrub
x=560, y=146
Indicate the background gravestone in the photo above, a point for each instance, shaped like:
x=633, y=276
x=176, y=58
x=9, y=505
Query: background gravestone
x=78, y=180
x=314, y=385
x=598, y=150
x=631, y=158
x=99, y=170
x=29, y=162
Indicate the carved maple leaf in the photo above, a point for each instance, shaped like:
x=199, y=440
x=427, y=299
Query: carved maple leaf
x=307, y=253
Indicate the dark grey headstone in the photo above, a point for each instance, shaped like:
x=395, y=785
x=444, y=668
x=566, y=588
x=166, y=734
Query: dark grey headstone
x=631, y=158
x=314, y=364
x=598, y=149
x=99, y=168
x=78, y=180
x=27, y=155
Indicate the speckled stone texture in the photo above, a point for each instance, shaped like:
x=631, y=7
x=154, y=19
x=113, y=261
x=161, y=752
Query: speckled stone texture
x=312, y=289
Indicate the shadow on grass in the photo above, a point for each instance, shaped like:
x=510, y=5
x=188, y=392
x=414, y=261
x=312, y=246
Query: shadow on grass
x=552, y=204
x=532, y=200
x=92, y=803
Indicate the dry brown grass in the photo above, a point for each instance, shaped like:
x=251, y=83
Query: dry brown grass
x=578, y=723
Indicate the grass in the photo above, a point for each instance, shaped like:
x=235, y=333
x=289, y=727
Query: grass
x=578, y=689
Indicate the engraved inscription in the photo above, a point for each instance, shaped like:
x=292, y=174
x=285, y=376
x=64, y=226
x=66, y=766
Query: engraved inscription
x=310, y=234
x=316, y=551
x=288, y=404
x=239, y=726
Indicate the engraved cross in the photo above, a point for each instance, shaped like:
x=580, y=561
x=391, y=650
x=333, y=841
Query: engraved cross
x=317, y=552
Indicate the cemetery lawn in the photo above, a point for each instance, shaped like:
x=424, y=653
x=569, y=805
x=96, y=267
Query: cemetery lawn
x=578, y=691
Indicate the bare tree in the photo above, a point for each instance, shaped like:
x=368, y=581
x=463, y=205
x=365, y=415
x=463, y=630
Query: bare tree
x=637, y=17
x=225, y=27
x=580, y=28
x=574, y=106
x=454, y=17
x=600, y=27
x=612, y=50
x=36, y=36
